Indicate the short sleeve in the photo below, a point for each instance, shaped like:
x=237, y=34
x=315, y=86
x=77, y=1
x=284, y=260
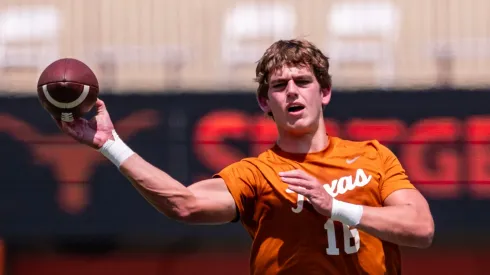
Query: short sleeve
x=242, y=179
x=394, y=175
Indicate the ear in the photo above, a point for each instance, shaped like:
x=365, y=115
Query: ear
x=263, y=104
x=326, y=95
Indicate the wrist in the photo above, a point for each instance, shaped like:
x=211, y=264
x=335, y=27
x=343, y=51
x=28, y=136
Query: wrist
x=116, y=150
x=346, y=213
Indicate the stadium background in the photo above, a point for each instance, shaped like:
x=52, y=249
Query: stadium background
x=177, y=79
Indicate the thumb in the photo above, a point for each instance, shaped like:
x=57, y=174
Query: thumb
x=100, y=105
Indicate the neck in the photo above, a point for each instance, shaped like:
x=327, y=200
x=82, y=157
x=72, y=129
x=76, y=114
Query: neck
x=311, y=142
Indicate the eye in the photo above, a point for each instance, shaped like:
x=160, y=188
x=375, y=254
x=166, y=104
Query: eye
x=303, y=82
x=278, y=85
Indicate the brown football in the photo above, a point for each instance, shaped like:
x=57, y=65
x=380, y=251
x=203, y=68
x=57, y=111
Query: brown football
x=67, y=89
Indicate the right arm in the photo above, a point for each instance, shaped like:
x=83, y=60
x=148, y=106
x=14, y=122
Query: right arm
x=205, y=202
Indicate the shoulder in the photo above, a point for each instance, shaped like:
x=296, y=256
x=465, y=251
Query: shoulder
x=370, y=148
x=243, y=164
x=244, y=168
x=242, y=178
x=252, y=168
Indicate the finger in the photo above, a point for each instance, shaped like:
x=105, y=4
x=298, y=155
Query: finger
x=298, y=182
x=100, y=106
x=68, y=128
x=73, y=128
x=66, y=125
x=300, y=190
x=73, y=123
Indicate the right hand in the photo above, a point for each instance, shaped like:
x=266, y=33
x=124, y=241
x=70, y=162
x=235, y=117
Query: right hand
x=94, y=132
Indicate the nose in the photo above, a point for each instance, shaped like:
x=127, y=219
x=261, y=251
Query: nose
x=291, y=89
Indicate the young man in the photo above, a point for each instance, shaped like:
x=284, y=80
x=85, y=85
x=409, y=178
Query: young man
x=312, y=203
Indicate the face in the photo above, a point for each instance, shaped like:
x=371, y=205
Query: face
x=295, y=100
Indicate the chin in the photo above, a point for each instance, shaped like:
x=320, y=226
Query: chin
x=299, y=127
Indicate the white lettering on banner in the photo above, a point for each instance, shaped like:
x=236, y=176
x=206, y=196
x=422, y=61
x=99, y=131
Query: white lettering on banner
x=337, y=187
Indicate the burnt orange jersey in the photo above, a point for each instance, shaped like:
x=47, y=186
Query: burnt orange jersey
x=289, y=236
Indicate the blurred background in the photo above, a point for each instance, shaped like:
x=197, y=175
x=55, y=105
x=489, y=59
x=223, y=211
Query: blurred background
x=177, y=79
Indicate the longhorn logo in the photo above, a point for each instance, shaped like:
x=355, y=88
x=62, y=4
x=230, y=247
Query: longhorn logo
x=71, y=163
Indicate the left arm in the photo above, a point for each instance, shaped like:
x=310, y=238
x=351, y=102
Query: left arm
x=405, y=219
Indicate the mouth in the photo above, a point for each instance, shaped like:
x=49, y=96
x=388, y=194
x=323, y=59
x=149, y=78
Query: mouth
x=295, y=108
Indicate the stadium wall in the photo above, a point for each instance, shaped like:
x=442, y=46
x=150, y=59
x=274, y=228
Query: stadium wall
x=58, y=196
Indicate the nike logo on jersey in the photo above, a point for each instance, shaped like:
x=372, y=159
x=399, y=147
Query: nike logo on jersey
x=338, y=186
x=351, y=161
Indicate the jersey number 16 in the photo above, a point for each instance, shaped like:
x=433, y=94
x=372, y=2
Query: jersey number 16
x=332, y=248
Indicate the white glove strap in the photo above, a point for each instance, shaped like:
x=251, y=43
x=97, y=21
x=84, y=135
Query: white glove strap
x=346, y=213
x=116, y=150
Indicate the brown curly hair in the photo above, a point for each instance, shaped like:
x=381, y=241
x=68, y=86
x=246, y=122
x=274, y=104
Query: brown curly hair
x=295, y=52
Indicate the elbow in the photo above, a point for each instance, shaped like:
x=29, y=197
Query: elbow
x=182, y=213
x=425, y=235
x=178, y=215
x=181, y=209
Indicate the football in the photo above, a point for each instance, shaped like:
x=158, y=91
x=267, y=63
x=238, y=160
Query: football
x=67, y=89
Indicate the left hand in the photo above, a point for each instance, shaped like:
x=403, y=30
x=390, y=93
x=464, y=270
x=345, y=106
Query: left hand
x=308, y=186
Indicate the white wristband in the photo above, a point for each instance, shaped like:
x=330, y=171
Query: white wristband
x=346, y=213
x=116, y=150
